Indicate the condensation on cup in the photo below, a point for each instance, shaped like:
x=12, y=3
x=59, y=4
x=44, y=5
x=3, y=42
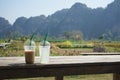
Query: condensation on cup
x=44, y=52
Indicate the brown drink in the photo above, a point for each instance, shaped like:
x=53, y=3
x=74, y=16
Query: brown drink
x=29, y=57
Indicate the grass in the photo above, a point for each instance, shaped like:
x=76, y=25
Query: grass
x=78, y=77
x=90, y=77
x=16, y=49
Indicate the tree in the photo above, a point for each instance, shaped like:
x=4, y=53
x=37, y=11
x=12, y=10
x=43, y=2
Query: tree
x=16, y=35
x=77, y=35
x=101, y=37
x=38, y=36
x=74, y=35
x=110, y=35
x=67, y=34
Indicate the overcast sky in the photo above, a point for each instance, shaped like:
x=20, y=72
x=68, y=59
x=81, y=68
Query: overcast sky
x=12, y=9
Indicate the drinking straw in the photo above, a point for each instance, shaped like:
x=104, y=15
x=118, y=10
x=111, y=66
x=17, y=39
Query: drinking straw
x=31, y=38
x=45, y=39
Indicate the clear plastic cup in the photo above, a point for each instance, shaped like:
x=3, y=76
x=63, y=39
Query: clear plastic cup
x=44, y=51
x=29, y=50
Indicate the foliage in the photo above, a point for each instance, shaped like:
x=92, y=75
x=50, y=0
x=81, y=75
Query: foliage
x=67, y=34
x=99, y=47
x=112, y=44
x=90, y=22
x=101, y=37
x=60, y=48
x=82, y=46
x=13, y=49
x=74, y=35
x=66, y=44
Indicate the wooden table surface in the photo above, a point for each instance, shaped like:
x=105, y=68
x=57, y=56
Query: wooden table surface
x=15, y=67
x=9, y=61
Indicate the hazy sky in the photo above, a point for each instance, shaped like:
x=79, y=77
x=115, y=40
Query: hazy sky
x=12, y=9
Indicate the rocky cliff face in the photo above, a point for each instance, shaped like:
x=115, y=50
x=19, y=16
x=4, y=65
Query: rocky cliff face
x=91, y=22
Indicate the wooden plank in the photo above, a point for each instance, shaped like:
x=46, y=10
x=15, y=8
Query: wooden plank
x=59, y=77
x=20, y=61
x=15, y=67
x=116, y=76
x=56, y=70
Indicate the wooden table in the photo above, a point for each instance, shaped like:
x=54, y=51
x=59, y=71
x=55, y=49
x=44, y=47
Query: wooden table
x=59, y=66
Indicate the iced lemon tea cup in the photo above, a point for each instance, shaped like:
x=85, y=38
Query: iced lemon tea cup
x=44, y=51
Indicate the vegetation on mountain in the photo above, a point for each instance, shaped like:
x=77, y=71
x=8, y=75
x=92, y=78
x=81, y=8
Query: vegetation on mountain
x=91, y=23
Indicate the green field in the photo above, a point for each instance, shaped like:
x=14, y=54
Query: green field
x=61, y=48
x=78, y=77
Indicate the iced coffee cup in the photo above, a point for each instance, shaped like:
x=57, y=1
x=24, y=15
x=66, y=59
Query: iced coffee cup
x=29, y=51
x=44, y=51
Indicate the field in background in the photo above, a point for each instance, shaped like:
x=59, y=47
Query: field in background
x=63, y=48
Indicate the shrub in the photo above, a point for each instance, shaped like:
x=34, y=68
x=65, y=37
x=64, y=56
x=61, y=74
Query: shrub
x=99, y=47
x=83, y=46
x=66, y=44
x=112, y=44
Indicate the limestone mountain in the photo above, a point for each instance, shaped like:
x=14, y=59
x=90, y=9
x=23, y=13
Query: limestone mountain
x=91, y=22
x=4, y=26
